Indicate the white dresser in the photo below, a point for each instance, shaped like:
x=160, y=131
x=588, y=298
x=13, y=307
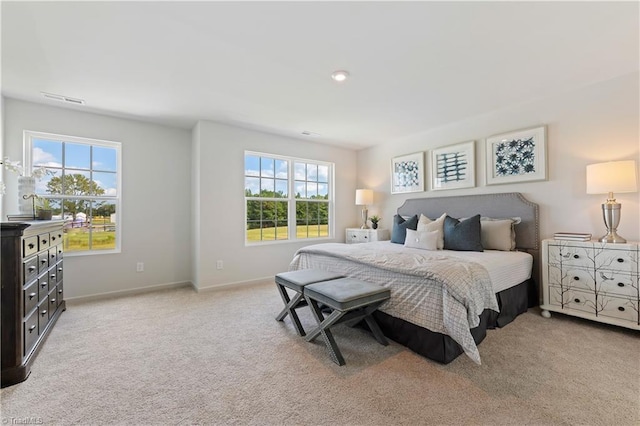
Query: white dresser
x=358, y=235
x=592, y=280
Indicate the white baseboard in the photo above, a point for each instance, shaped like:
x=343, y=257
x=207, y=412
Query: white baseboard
x=237, y=284
x=128, y=292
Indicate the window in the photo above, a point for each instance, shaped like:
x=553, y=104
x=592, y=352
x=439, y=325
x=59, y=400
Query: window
x=82, y=185
x=286, y=198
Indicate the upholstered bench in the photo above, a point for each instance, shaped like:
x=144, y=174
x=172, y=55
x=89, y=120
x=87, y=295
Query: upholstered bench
x=296, y=281
x=351, y=300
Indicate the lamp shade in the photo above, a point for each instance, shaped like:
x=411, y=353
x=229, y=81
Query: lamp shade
x=614, y=176
x=364, y=197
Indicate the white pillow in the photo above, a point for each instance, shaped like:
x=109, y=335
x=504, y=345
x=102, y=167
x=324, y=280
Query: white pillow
x=425, y=240
x=498, y=234
x=426, y=224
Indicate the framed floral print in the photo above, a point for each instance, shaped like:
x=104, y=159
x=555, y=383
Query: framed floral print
x=453, y=167
x=407, y=173
x=518, y=156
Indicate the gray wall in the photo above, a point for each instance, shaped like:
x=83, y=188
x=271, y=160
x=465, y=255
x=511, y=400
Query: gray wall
x=594, y=124
x=219, y=211
x=155, y=196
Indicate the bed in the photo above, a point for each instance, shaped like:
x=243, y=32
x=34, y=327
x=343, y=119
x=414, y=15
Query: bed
x=442, y=302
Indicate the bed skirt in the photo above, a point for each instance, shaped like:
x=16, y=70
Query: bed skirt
x=442, y=348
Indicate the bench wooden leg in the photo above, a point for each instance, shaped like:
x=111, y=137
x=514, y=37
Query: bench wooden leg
x=289, y=308
x=324, y=325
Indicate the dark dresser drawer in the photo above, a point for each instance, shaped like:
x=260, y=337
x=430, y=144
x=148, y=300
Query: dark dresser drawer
x=53, y=254
x=53, y=302
x=43, y=262
x=43, y=286
x=55, y=238
x=30, y=269
x=60, y=290
x=59, y=270
x=30, y=297
x=43, y=315
x=53, y=278
x=30, y=332
x=43, y=241
x=29, y=246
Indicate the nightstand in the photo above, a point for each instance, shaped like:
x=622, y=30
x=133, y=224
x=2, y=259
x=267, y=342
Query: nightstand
x=358, y=235
x=592, y=280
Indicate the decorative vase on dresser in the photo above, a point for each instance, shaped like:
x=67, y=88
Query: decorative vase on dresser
x=359, y=235
x=592, y=280
x=32, y=292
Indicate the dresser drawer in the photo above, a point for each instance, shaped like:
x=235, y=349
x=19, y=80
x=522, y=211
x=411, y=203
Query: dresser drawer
x=30, y=331
x=617, y=260
x=29, y=246
x=30, y=269
x=53, y=255
x=43, y=315
x=53, y=302
x=614, y=284
x=60, y=290
x=570, y=256
x=43, y=262
x=572, y=299
x=59, y=252
x=43, y=241
x=571, y=278
x=53, y=278
x=59, y=271
x=30, y=297
x=43, y=286
x=620, y=308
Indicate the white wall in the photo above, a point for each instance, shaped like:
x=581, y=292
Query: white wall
x=595, y=124
x=156, y=198
x=221, y=211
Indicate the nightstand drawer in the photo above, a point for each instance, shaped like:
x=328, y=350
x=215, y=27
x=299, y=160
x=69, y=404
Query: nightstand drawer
x=355, y=236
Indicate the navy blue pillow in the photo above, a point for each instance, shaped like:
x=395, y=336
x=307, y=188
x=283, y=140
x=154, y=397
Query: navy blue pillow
x=400, y=226
x=462, y=236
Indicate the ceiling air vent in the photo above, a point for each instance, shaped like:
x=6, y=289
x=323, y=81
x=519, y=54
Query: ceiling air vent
x=61, y=98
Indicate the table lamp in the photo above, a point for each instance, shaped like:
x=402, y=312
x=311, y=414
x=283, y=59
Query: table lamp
x=364, y=197
x=610, y=177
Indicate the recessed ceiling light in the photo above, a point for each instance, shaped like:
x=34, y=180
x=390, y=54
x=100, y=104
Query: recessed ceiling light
x=62, y=98
x=340, y=76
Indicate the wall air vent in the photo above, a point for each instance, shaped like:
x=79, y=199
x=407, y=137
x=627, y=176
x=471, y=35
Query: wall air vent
x=61, y=98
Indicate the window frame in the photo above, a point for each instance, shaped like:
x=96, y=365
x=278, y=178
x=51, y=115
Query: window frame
x=29, y=136
x=291, y=199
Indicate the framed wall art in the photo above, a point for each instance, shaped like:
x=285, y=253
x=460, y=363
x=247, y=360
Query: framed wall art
x=518, y=156
x=407, y=173
x=453, y=166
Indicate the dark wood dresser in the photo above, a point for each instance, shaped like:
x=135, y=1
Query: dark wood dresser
x=32, y=292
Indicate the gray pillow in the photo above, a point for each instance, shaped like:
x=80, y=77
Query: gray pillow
x=462, y=235
x=400, y=226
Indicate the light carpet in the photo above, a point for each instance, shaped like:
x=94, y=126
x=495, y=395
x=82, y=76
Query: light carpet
x=219, y=357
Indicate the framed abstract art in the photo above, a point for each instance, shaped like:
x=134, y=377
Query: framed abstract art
x=407, y=173
x=453, y=166
x=518, y=156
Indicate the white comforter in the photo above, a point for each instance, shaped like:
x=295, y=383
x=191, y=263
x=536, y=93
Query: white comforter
x=431, y=289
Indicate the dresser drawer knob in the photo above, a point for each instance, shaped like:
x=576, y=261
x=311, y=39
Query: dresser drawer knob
x=33, y=327
x=53, y=276
x=32, y=295
x=43, y=285
x=576, y=278
x=43, y=261
x=576, y=300
x=53, y=300
x=44, y=312
x=44, y=241
x=621, y=309
x=620, y=284
x=60, y=291
x=59, y=269
x=32, y=268
x=575, y=256
x=53, y=238
x=620, y=260
x=31, y=245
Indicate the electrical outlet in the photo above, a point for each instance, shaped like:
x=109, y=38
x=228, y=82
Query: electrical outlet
x=140, y=267
x=219, y=264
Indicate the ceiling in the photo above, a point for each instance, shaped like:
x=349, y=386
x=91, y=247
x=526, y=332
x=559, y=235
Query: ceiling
x=266, y=65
